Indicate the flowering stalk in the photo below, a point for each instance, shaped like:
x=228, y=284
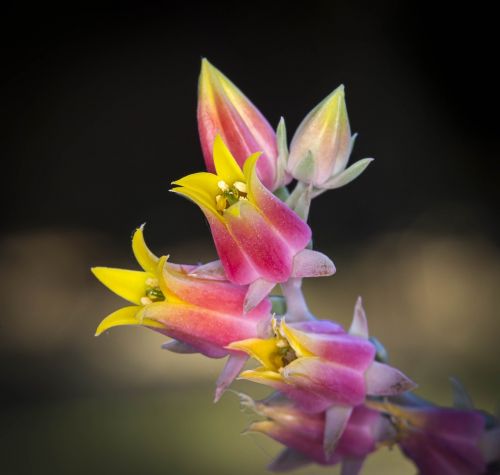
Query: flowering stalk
x=337, y=400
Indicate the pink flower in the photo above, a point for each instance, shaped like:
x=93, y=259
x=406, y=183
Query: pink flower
x=224, y=110
x=199, y=314
x=321, y=367
x=259, y=239
x=302, y=434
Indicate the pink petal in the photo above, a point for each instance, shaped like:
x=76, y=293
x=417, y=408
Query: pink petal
x=342, y=349
x=293, y=230
x=326, y=327
x=237, y=265
x=211, y=294
x=223, y=109
x=199, y=326
x=269, y=253
x=339, y=384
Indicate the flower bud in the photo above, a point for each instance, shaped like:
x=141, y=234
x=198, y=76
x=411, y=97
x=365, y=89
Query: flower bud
x=321, y=146
x=224, y=110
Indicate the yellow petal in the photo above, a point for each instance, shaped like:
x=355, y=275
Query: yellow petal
x=129, y=284
x=293, y=338
x=163, y=273
x=261, y=375
x=201, y=188
x=225, y=164
x=146, y=259
x=249, y=172
x=265, y=351
x=125, y=316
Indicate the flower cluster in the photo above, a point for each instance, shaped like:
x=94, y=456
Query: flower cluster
x=335, y=399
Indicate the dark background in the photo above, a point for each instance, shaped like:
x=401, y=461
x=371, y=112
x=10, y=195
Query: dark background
x=98, y=117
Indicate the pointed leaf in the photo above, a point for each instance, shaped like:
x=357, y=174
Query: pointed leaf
x=359, y=325
x=384, y=380
x=288, y=459
x=346, y=176
x=179, y=347
x=232, y=369
x=335, y=422
x=257, y=292
x=309, y=263
x=211, y=271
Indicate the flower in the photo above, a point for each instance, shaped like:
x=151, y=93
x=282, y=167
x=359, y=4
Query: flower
x=258, y=238
x=321, y=367
x=205, y=315
x=302, y=434
x=439, y=440
x=224, y=110
x=321, y=146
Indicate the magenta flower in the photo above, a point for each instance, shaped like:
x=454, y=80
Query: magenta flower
x=259, y=239
x=321, y=367
x=440, y=441
x=302, y=434
x=224, y=110
x=200, y=315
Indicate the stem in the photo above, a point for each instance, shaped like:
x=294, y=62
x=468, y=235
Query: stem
x=296, y=305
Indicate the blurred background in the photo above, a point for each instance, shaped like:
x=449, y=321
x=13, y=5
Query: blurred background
x=98, y=116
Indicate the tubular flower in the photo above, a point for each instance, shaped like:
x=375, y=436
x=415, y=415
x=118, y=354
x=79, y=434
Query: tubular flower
x=440, y=441
x=302, y=434
x=321, y=367
x=224, y=110
x=260, y=241
x=321, y=146
x=201, y=315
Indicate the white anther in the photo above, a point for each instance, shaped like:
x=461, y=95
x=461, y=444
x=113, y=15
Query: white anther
x=223, y=185
x=151, y=282
x=146, y=301
x=240, y=186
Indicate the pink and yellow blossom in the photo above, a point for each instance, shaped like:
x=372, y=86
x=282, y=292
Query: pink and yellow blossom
x=204, y=314
x=257, y=236
x=323, y=368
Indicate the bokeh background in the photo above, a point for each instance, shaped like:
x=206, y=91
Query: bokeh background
x=98, y=116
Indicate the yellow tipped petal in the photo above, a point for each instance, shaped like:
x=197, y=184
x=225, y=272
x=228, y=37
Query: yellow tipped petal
x=201, y=188
x=146, y=259
x=293, y=339
x=261, y=374
x=125, y=316
x=129, y=284
x=262, y=350
x=225, y=164
x=250, y=173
